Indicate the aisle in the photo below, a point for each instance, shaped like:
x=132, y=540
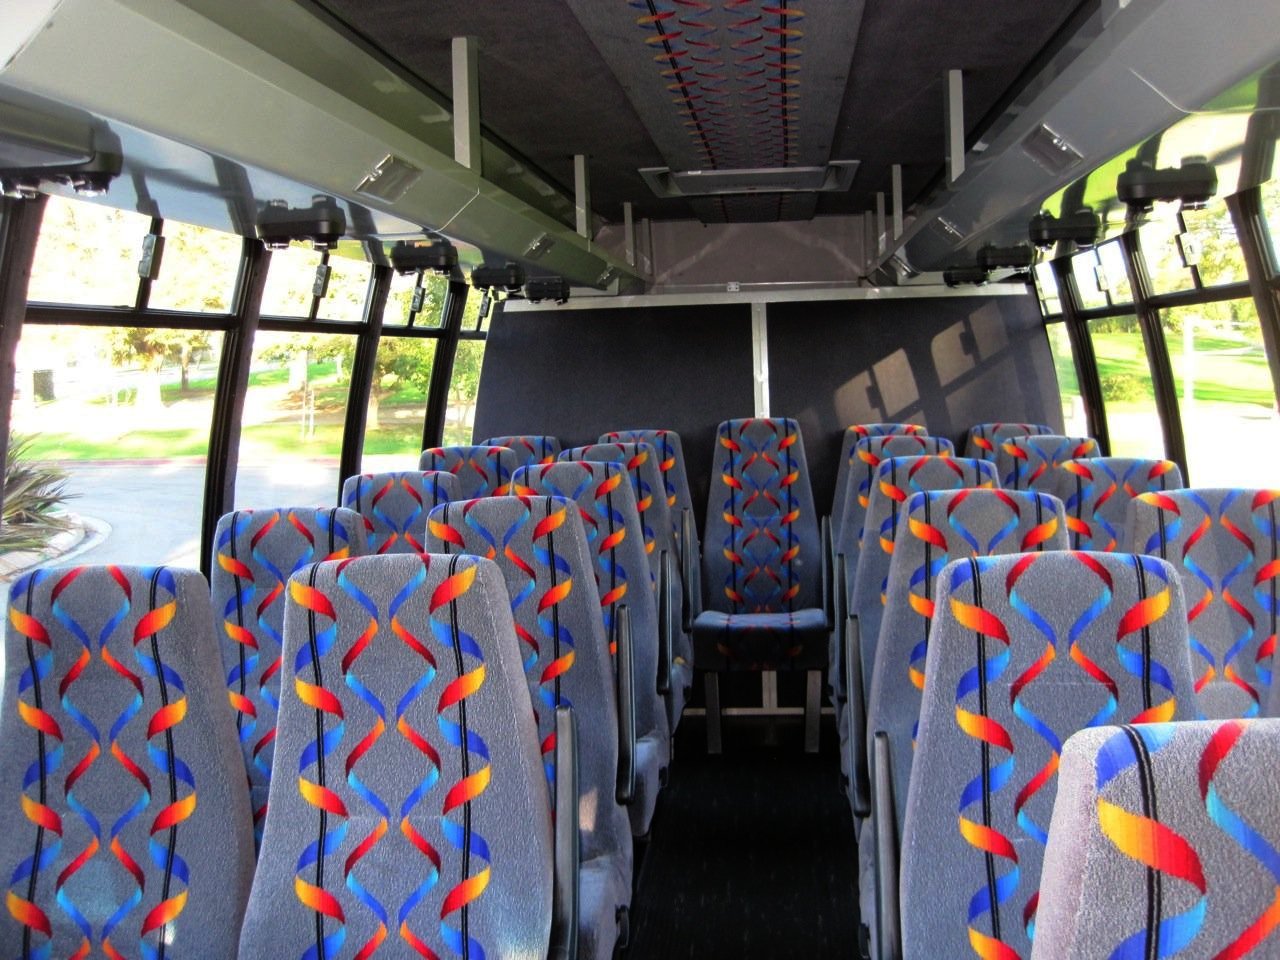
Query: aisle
x=753, y=853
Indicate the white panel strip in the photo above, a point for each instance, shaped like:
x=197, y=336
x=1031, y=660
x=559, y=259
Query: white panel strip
x=582, y=196
x=897, y=200
x=760, y=356
x=466, y=103
x=955, y=125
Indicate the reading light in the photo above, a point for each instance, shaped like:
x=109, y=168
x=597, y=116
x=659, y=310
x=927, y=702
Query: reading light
x=436, y=254
x=323, y=223
x=1081, y=228
x=1141, y=185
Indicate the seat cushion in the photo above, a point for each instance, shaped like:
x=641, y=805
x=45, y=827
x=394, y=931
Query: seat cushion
x=602, y=890
x=761, y=641
x=651, y=758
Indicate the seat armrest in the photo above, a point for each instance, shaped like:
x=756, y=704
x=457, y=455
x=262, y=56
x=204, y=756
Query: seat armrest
x=857, y=710
x=666, y=628
x=689, y=612
x=567, y=863
x=888, y=915
x=625, y=676
x=828, y=565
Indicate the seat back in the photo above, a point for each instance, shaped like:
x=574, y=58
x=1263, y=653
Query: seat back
x=1025, y=650
x=540, y=546
x=640, y=461
x=984, y=439
x=1096, y=492
x=530, y=450
x=255, y=554
x=481, y=471
x=607, y=507
x=1194, y=786
x=115, y=722
x=1224, y=545
x=865, y=456
x=394, y=506
x=896, y=479
x=675, y=480
x=1030, y=463
x=414, y=807
x=941, y=526
x=763, y=553
x=849, y=461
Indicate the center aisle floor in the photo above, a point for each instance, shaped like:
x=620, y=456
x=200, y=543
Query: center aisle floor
x=752, y=852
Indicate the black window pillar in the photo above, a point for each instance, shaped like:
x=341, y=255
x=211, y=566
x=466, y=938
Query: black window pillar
x=19, y=231
x=455, y=301
x=1082, y=352
x=362, y=368
x=1162, y=381
x=228, y=398
x=1247, y=215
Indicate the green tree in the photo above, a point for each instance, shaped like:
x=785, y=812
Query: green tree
x=152, y=349
x=401, y=362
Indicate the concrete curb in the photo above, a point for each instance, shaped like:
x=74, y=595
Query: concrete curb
x=85, y=534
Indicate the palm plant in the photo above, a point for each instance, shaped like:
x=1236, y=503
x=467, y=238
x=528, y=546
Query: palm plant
x=33, y=494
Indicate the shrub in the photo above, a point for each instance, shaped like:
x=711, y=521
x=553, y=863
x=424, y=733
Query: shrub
x=33, y=495
x=1123, y=387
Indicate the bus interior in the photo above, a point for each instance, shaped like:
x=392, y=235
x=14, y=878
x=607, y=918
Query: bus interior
x=253, y=252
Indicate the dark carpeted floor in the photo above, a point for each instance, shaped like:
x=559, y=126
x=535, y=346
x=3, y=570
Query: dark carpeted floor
x=752, y=853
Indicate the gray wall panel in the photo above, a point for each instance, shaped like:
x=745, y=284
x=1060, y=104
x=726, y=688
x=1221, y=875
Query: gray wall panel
x=947, y=363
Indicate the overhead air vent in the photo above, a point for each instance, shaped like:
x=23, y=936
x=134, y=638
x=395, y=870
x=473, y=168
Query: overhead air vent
x=1050, y=151
x=835, y=177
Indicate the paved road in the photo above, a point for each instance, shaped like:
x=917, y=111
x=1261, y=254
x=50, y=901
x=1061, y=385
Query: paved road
x=154, y=509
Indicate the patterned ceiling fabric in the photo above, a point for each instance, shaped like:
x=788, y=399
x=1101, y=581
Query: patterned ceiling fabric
x=942, y=525
x=641, y=461
x=413, y=808
x=763, y=551
x=481, y=471
x=1025, y=650
x=394, y=506
x=255, y=554
x=1224, y=545
x=115, y=722
x=540, y=546
x=984, y=439
x=1096, y=492
x=1165, y=841
x=530, y=450
x=849, y=460
x=1030, y=463
x=896, y=479
x=607, y=508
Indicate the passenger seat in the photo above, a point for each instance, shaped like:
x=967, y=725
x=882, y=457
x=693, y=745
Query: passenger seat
x=1096, y=492
x=394, y=506
x=481, y=471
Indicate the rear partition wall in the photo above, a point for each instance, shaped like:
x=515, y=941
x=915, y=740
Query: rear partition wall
x=947, y=363
x=576, y=374
x=944, y=362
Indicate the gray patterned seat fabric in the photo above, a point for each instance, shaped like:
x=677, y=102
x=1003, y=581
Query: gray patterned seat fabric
x=1206, y=794
x=530, y=449
x=1025, y=650
x=849, y=461
x=763, y=563
x=1030, y=463
x=607, y=507
x=984, y=439
x=1096, y=492
x=1224, y=545
x=395, y=506
x=640, y=460
x=413, y=807
x=120, y=752
x=255, y=554
x=896, y=479
x=941, y=526
x=854, y=497
x=481, y=471
x=540, y=546
x=675, y=479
